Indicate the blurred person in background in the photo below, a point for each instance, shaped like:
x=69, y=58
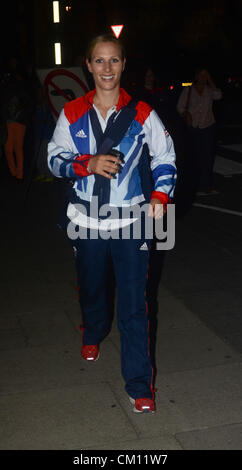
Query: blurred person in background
x=150, y=89
x=16, y=111
x=195, y=105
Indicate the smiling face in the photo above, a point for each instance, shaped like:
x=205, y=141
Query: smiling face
x=106, y=65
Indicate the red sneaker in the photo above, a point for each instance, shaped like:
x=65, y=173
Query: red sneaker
x=90, y=352
x=143, y=405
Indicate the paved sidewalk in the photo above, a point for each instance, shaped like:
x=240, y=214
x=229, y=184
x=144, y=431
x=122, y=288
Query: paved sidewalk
x=51, y=399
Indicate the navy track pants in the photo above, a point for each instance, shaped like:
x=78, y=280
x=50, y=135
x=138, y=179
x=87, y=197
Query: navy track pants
x=130, y=264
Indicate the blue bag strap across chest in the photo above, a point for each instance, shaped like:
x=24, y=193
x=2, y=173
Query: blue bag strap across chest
x=116, y=128
x=99, y=135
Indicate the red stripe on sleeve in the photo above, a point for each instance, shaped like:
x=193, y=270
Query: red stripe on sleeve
x=80, y=169
x=163, y=197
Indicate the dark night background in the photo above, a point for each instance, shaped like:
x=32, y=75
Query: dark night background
x=172, y=36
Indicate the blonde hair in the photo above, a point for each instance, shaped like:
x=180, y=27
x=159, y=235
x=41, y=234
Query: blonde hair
x=104, y=38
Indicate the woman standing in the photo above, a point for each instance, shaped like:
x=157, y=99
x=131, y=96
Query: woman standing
x=195, y=104
x=76, y=151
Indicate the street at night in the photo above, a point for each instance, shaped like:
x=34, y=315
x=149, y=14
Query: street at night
x=51, y=399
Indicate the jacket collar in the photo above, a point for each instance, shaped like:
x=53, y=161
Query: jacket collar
x=124, y=98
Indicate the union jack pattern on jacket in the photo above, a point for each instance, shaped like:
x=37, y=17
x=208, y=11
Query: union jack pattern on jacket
x=73, y=144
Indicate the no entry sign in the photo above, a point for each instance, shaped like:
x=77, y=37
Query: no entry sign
x=62, y=85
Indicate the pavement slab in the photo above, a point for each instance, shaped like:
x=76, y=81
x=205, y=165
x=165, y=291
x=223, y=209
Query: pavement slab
x=174, y=314
x=192, y=348
x=162, y=441
x=62, y=419
x=39, y=368
x=36, y=296
x=227, y=437
x=208, y=397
